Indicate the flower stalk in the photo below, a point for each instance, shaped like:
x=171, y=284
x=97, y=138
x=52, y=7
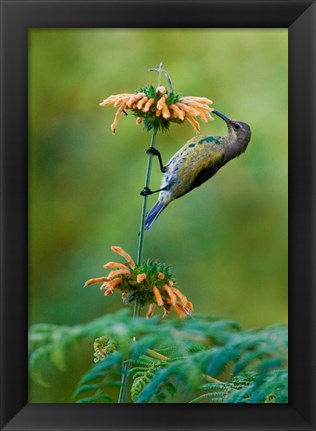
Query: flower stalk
x=143, y=213
x=136, y=311
x=137, y=306
x=149, y=283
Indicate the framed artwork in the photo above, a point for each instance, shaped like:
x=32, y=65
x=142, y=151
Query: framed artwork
x=191, y=268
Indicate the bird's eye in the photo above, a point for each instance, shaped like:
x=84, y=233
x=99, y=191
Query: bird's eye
x=236, y=126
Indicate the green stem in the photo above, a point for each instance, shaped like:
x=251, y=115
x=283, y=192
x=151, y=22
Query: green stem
x=143, y=212
x=124, y=383
x=126, y=366
x=136, y=312
x=142, y=218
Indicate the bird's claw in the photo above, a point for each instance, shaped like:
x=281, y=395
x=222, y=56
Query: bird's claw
x=153, y=151
x=146, y=191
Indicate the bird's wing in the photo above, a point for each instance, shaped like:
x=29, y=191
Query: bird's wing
x=208, y=171
x=195, y=147
x=193, y=164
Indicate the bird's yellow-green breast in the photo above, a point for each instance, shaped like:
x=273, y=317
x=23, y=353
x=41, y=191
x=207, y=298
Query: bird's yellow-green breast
x=196, y=161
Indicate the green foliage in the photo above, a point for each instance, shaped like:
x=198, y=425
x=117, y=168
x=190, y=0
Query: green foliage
x=143, y=373
x=151, y=93
x=151, y=121
x=51, y=343
x=102, y=347
x=195, y=360
x=248, y=387
x=94, y=386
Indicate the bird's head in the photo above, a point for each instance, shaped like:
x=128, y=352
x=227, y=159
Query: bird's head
x=241, y=131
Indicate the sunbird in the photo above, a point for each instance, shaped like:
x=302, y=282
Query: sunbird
x=196, y=162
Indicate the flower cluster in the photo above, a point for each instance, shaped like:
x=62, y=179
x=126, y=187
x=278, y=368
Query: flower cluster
x=150, y=283
x=156, y=108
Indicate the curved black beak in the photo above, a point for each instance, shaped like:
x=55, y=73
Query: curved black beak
x=222, y=116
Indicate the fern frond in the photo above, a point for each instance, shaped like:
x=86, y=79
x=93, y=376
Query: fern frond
x=214, y=359
x=35, y=361
x=97, y=381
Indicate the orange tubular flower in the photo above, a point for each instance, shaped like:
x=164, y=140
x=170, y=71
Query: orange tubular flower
x=95, y=280
x=172, y=296
x=141, y=277
x=181, y=313
x=155, y=107
x=158, y=296
x=115, y=277
x=150, y=311
x=123, y=253
x=149, y=283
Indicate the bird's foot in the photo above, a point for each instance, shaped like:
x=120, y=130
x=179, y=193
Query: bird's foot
x=153, y=151
x=146, y=191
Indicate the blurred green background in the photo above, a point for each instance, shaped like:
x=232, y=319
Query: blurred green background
x=227, y=241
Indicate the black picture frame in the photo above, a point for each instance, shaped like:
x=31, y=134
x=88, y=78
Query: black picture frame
x=16, y=18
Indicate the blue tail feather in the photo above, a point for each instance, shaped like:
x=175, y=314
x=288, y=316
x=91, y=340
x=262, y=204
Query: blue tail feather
x=153, y=214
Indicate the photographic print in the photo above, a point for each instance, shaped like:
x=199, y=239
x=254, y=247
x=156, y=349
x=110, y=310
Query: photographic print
x=158, y=215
